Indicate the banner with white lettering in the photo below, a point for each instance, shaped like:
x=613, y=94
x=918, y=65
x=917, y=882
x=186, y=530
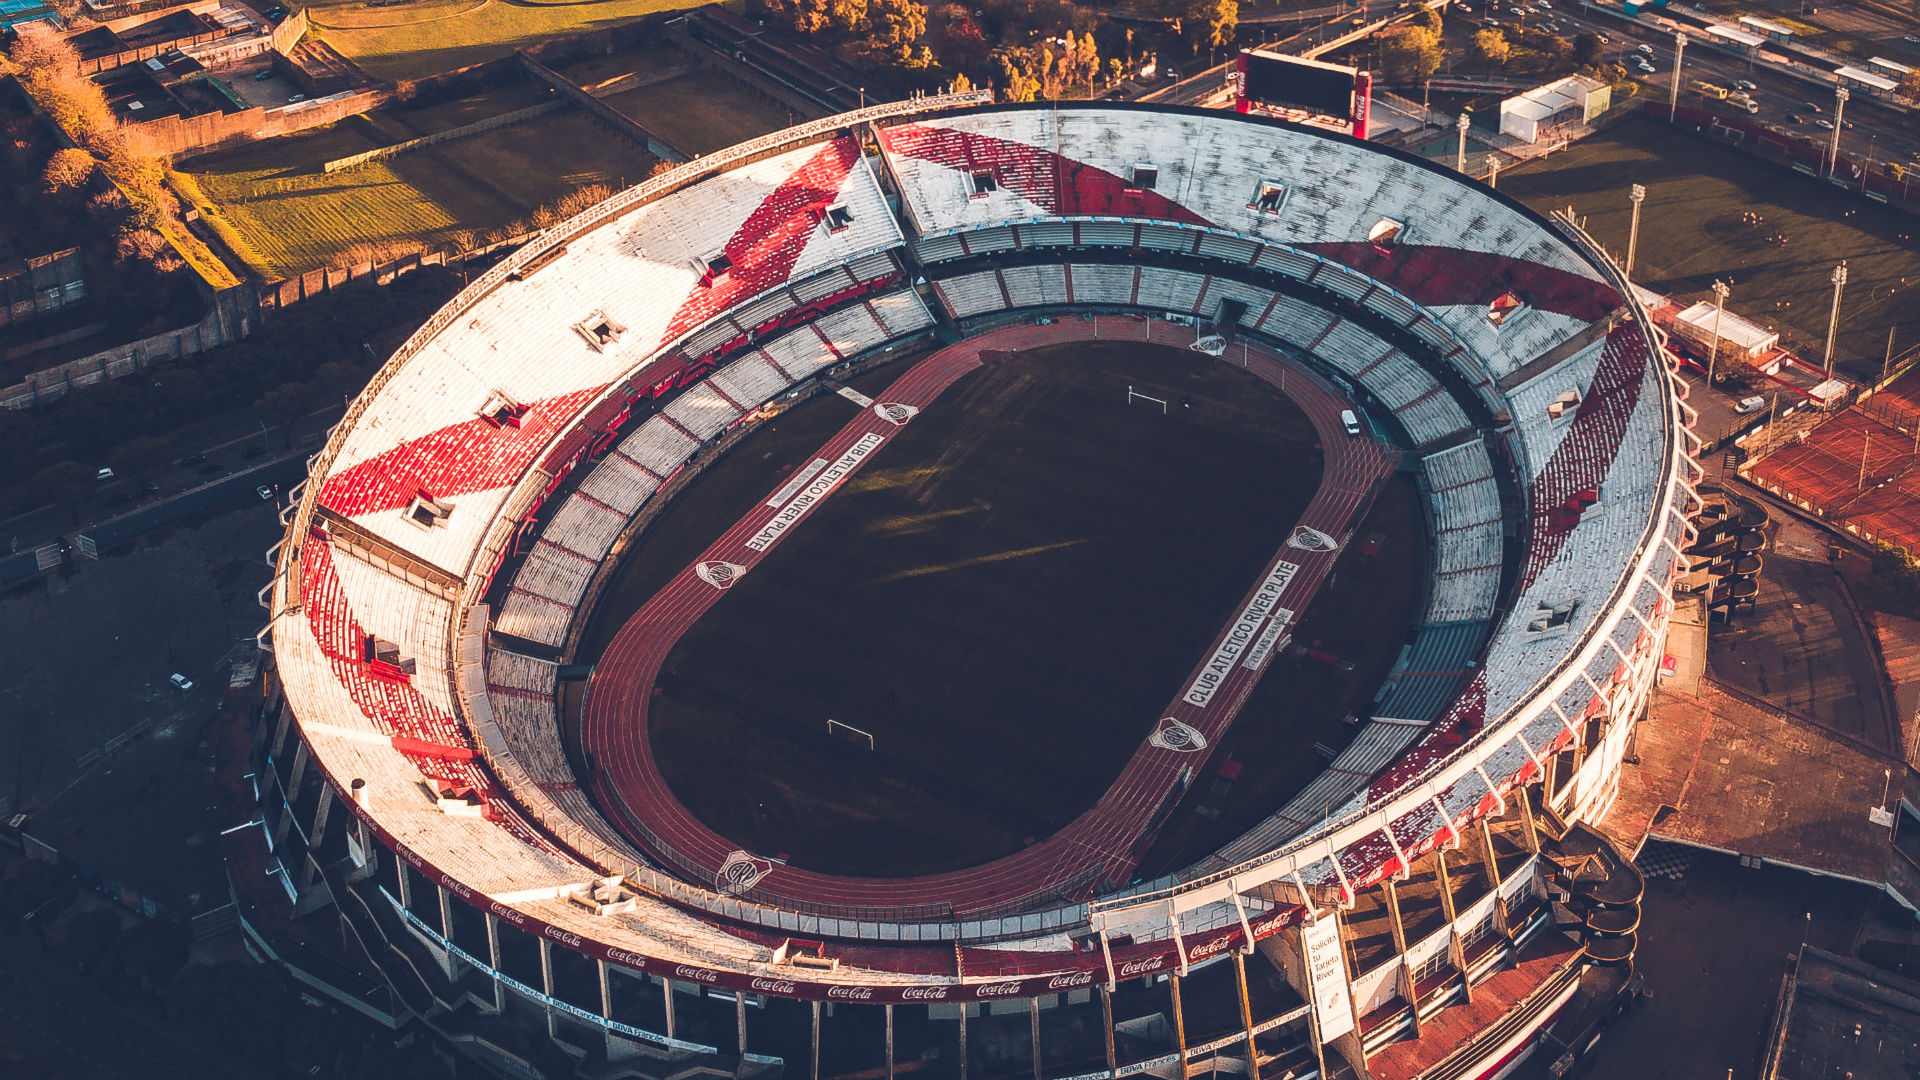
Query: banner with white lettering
x=1327, y=972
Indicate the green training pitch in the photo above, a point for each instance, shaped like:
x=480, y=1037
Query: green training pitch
x=1005, y=600
x=1692, y=231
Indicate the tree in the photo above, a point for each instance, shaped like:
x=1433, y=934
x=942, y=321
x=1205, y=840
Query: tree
x=1411, y=54
x=1490, y=47
x=1910, y=82
x=1213, y=22
x=283, y=405
x=1588, y=52
x=68, y=170
x=64, y=483
x=1430, y=19
x=141, y=459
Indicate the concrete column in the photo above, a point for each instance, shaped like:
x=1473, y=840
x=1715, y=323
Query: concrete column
x=1454, y=951
x=1246, y=1013
x=406, y=890
x=1106, y=1027
x=446, y=912
x=1528, y=828
x=666, y=987
x=1179, y=1023
x=280, y=729
x=1407, y=989
x=963, y=1038
x=492, y=956
x=815, y=1071
x=740, y=1024
x=1033, y=1036
x=318, y=834
x=889, y=1008
x=1486, y=853
x=546, y=982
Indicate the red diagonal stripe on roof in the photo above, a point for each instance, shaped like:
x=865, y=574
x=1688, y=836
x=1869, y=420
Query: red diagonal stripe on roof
x=1057, y=184
x=764, y=249
x=1433, y=276
x=1582, y=460
x=471, y=456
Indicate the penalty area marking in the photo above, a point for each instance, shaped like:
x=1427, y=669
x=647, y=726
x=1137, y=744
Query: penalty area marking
x=849, y=732
x=1133, y=395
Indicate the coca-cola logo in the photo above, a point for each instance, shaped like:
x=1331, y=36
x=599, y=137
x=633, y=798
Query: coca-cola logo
x=1068, y=982
x=773, y=986
x=570, y=940
x=507, y=913
x=999, y=989
x=407, y=854
x=1141, y=967
x=850, y=993
x=924, y=993
x=462, y=891
x=622, y=956
x=697, y=974
x=1199, y=952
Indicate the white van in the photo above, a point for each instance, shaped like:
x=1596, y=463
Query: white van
x=1351, y=421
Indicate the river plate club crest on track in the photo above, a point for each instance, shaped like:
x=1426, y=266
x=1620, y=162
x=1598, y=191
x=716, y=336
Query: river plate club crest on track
x=720, y=575
x=741, y=872
x=1308, y=538
x=895, y=413
x=1176, y=736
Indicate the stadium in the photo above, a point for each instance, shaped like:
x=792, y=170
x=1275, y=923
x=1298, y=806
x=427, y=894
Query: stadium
x=1057, y=589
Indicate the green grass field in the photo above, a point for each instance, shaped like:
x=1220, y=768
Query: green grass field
x=1006, y=600
x=702, y=111
x=290, y=217
x=1691, y=232
x=427, y=37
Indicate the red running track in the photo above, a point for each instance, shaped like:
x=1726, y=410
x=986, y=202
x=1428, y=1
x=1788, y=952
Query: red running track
x=1099, y=848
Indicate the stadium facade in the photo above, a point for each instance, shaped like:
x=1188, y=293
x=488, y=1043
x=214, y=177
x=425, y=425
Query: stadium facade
x=1434, y=904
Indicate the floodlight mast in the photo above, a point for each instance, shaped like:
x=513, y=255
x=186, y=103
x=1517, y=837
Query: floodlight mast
x=1636, y=194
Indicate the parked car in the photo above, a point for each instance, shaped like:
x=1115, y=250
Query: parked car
x=1643, y=47
x=1745, y=85
x=263, y=76
x=1752, y=404
x=103, y=474
x=1811, y=107
x=181, y=681
x=1796, y=118
x=1825, y=125
x=264, y=492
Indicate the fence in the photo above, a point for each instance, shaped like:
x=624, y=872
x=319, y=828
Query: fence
x=282, y=294
x=475, y=128
x=604, y=112
x=1764, y=142
x=230, y=318
x=172, y=136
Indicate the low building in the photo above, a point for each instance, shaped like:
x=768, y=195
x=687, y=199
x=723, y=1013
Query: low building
x=1576, y=99
x=1739, y=338
x=1772, y=30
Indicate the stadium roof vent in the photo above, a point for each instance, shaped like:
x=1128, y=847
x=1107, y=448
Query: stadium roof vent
x=384, y=661
x=1504, y=307
x=455, y=800
x=1143, y=176
x=427, y=511
x=501, y=410
x=714, y=267
x=1564, y=406
x=1552, y=619
x=806, y=954
x=836, y=217
x=1268, y=198
x=980, y=184
x=1386, y=234
x=605, y=896
x=600, y=330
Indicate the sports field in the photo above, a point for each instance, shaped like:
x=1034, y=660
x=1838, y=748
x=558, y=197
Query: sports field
x=702, y=111
x=426, y=37
x=1005, y=600
x=288, y=216
x=1691, y=231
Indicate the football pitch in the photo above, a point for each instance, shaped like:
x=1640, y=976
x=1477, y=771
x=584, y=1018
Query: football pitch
x=1692, y=231
x=1004, y=602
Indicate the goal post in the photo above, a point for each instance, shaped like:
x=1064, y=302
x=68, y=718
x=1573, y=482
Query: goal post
x=850, y=733
x=1134, y=395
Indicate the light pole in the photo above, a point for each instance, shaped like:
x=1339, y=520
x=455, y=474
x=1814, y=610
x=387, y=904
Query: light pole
x=1636, y=194
x=1493, y=170
x=1460, y=160
x=1871, y=139
x=1833, y=145
x=1833, y=320
x=1720, y=291
x=1679, y=54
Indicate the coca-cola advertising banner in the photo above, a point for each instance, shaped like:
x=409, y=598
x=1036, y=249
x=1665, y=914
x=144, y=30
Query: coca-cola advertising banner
x=1130, y=962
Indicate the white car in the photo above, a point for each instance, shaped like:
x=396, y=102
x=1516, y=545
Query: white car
x=1745, y=85
x=181, y=681
x=1643, y=47
x=1749, y=405
x=264, y=492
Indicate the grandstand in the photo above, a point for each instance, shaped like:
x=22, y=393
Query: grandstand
x=1391, y=920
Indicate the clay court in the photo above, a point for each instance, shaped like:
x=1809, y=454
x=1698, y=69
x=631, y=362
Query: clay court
x=1005, y=598
x=1860, y=469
